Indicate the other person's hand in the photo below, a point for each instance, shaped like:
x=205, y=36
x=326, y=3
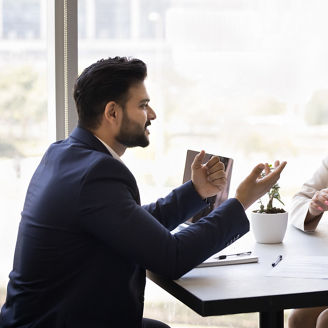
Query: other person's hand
x=319, y=203
x=255, y=186
x=210, y=178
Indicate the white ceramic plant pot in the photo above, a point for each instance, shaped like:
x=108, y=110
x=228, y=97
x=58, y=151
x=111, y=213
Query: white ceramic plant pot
x=269, y=228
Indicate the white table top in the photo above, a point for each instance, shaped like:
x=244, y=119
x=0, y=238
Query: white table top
x=245, y=287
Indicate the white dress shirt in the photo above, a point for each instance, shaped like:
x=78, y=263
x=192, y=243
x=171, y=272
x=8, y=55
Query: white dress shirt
x=112, y=152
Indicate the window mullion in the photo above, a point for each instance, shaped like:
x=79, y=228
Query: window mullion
x=62, y=66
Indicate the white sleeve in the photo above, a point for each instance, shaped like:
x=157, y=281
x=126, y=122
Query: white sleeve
x=300, y=202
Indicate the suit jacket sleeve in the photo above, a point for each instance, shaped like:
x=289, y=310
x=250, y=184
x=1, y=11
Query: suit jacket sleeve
x=300, y=202
x=110, y=213
x=177, y=207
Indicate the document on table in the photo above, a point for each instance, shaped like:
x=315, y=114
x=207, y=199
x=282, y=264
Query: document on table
x=315, y=267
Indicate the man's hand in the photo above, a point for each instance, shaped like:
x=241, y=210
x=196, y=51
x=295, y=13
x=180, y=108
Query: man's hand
x=210, y=178
x=255, y=186
x=319, y=203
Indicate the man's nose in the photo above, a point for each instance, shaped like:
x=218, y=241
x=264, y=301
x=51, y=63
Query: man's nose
x=151, y=113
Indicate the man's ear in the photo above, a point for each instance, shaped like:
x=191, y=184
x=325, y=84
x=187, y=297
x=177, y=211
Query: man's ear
x=111, y=111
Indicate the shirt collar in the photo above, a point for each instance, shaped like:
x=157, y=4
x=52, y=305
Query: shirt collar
x=111, y=151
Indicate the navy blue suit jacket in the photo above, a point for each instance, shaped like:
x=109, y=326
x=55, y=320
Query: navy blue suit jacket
x=84, y=241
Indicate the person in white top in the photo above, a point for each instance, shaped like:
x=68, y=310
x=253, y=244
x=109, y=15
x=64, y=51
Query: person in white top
x=307, y=209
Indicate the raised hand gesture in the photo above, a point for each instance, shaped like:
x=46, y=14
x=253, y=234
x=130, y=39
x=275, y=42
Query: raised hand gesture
x=255, y=185
x=209, y=178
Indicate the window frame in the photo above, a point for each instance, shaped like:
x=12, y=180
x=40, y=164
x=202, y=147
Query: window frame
x=62, y=42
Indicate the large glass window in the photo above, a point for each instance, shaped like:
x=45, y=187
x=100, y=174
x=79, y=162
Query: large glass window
x=23, y=114
x=112, y=21
x=19, y=19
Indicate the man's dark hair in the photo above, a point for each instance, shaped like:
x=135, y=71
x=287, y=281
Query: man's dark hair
x=104, y=81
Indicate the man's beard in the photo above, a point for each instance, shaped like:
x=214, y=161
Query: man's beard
x=132, y=134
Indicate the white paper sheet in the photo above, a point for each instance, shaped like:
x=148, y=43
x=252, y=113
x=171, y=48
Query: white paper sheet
x=315, y=267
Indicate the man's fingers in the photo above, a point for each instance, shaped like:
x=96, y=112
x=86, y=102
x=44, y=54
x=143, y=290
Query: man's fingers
x=214, y=160
x=274, y=175
x=267, y=169
x=276, y=163
x=280, y=167
x=254, y=187
x=216, y=176
x=198, y=160
x=215, y=167
x=256, y=172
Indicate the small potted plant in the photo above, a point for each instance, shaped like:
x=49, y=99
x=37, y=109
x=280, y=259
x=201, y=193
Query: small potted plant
x=269, y=223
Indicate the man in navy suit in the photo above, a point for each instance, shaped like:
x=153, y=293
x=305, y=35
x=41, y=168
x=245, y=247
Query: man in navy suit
x=85, y=242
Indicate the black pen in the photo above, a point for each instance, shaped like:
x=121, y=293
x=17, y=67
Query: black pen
x=277, y=261
x=222, y=257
